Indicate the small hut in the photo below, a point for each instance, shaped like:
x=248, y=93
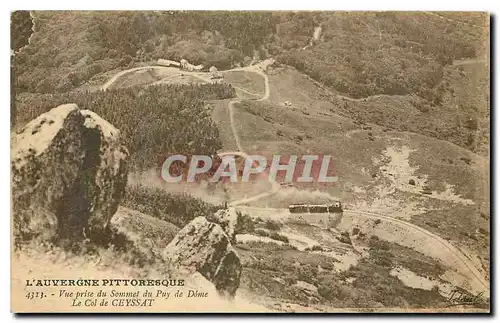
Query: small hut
x=184, y=64
x=214, y=74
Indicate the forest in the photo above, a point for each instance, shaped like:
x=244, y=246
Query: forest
x=154, y=122
x=358, y=54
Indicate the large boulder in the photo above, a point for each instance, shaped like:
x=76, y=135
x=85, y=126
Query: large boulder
x=69, y=172
x=227, y=219
x=203, y=246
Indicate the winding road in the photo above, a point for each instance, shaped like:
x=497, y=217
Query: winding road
x=274, y=186
x=112, y=80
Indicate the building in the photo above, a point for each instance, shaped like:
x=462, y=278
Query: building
x=167, y=62
x=214, y=73
x=186, y=66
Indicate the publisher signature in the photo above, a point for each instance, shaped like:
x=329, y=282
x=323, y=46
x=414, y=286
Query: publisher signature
x=459, y=297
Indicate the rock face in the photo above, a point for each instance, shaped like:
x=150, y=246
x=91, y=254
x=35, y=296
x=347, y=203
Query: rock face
x=228, y=220
x=203, y=246
x=69, y=172
x=309, y=289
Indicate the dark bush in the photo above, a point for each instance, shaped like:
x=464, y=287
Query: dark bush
x=272, y=225
x=279, y=237
x=244, y=224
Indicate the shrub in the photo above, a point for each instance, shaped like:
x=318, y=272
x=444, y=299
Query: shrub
x=317, y=248
x=279, y=237
x=262, y=233
x=308, y=273
x=244, y=223
x=272, y=225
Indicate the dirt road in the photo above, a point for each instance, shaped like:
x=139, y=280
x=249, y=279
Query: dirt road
x=274, y=186
x=112, y=80
x=259, y=69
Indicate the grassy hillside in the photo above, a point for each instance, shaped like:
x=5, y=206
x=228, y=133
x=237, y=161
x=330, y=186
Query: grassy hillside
x=404, y=71
x=434, y=183
x=310, y=278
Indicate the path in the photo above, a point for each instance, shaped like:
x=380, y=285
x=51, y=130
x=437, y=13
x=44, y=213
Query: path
x=112, y=80
x=274, y=186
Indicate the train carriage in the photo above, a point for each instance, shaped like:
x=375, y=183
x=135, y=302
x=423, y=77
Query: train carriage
x=335, y=207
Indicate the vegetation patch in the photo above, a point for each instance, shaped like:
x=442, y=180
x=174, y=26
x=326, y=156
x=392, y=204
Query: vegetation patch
x=274, y=269
x=178, y=209
x=154, y=122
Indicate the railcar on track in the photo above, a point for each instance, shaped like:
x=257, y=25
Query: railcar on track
x=335, y=207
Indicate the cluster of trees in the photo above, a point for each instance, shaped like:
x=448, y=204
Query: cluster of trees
x=178, y=209
x=20, y=30
x=58, y=58
x=154, y=122
x=365, y=54
x=232, y=34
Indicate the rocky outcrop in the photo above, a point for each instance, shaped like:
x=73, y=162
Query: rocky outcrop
x=203, y=246
x=69, y=172
x=148, y=235
x=309, y=289
x=227, y=219
x=306, y=291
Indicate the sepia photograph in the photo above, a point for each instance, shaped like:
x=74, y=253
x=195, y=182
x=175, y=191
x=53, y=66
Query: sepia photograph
x=250, y=161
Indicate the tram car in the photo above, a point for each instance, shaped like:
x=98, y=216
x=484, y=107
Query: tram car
x=335, y=207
